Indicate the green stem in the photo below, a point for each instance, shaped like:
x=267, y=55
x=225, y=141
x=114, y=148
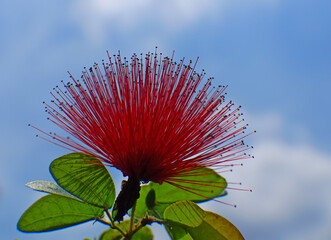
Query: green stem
x=109, y=216
x=133, y=211
x=144, y=221
x=111, y=223
x=104, y=222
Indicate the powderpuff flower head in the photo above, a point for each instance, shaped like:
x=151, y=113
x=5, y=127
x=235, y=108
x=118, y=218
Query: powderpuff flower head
x=152, y=118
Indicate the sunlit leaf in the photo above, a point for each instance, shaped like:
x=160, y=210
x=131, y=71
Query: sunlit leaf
x=215, y=227
x=53, y=212
x=145, y=233
x=48, y=187
x=185, y=213
x=85, y=177
x=197, y=186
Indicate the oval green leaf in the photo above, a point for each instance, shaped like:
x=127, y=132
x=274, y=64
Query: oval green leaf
x=145, y=233
x=185, y=213
x=85, y=177
x=198, y=186
x=53, y=212
x=215, y=227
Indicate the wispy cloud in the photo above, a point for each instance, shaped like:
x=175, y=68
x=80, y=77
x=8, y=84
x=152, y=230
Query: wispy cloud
x=290, y=186
x=151, y=19
x=167, y=17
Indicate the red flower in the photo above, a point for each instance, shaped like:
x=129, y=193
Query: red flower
x=151, y=118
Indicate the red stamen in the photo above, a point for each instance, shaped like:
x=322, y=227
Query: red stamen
x=151, y=118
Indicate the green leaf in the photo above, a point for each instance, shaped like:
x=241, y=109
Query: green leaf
x=85, y=177
x=201, y=185
x=215, y=227
x=147, y=203
x=53, y=212
x=177, y=232
x=145, y=233
x=185, y=213
x=49, y=187
x=141, y=206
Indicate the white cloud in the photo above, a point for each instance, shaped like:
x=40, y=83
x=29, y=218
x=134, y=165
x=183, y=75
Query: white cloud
x=289, y=182
x=99, y=16
x=284, y=177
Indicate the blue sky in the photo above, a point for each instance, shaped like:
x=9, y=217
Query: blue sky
x=275, y=55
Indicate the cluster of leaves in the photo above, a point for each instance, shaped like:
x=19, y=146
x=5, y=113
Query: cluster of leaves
x=84, y=191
